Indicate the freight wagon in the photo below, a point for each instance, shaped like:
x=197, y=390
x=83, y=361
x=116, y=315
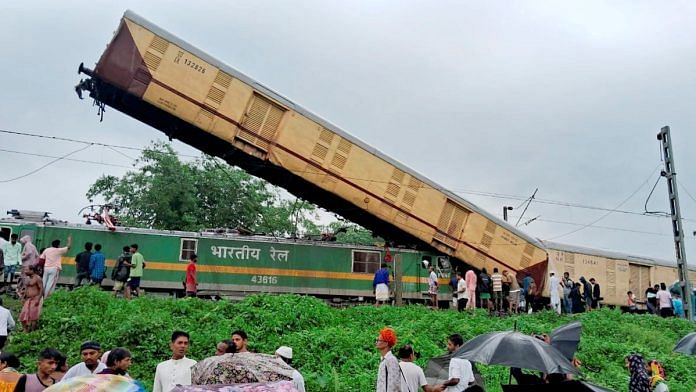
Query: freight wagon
x=161, y=80
x=232, y=264
x=616, y=272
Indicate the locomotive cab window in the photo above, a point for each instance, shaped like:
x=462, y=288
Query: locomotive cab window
x=5, y=233
x=189, y=246
x=366, y=261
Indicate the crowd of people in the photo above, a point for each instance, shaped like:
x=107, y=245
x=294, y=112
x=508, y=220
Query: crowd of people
x=500, y=292
x=52, y=367
x=37, y=272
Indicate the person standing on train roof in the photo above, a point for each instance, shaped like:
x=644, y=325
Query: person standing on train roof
x=97, y=266
x=470, y=278
x=380, y=285
x=121, y=271
x=136, y=273
x=13, y=258
x=82, y=265
x=191, y=278
x=433, y=286
x=53, y=264
x=554, y=284
x=596, y=293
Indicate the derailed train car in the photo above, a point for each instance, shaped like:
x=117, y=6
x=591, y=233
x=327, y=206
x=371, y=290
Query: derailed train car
x=159, y=79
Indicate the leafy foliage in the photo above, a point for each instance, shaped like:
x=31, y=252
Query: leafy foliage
x=162, y=192
x=334, y=348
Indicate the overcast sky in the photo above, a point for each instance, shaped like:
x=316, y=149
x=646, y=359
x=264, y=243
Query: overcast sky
x=485, y=98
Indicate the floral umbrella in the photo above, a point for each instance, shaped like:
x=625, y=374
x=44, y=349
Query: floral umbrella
x=97, y=383
x=240, y=368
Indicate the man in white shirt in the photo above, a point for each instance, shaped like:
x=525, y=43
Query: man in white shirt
x=176, y=371
x=90, y=352
x=461, y=374
x=664, y=301
x=554, y=285
x=285, y=353
x=462, y=294
x=6, y=324
x=413, y=376
x=433, y=286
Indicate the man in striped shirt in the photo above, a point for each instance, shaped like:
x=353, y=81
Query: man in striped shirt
x=497, y=279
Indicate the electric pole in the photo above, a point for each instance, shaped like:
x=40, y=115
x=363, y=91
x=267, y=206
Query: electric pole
x=670, y=173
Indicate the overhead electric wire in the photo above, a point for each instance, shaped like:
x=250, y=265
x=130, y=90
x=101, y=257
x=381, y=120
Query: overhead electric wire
x=46, y=165
x=65, y=159
x=457, y=191
x=608, y=212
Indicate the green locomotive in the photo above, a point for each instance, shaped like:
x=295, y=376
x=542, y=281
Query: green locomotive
x=233, y=265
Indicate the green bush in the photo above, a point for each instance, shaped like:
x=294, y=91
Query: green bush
x=334, y=348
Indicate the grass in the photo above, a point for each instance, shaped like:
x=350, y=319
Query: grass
x=334, y=347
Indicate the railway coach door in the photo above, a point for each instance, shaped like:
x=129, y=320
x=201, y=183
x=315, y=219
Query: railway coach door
x=639, y=279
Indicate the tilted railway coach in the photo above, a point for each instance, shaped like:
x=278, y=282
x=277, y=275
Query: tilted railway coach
x=159, y=79
x=235, y=265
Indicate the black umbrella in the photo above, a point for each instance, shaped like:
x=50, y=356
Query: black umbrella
x=566, y=338
x=687, y=344
x=517, y=350
x=566, y=386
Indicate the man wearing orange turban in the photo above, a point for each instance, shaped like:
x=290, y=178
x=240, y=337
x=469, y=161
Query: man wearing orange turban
x=389, y=374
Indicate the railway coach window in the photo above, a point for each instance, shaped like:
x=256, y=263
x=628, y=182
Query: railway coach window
x=366, y=261
x=189, y=246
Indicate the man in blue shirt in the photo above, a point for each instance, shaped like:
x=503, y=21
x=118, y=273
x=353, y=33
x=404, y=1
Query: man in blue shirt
x=381, y=285
x=97, y=266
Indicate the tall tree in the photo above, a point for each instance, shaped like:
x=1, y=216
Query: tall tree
x=163, y=192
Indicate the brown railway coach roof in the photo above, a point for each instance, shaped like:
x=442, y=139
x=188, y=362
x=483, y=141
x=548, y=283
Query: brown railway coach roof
x=549, y=245
x=287, y=102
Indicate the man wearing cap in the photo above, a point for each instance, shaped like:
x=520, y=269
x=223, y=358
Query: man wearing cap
x=414, y=378
x=90, y=351
x=285, y=353
x=389, y=374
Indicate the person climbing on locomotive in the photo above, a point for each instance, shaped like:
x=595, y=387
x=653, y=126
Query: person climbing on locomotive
x=53, y=265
